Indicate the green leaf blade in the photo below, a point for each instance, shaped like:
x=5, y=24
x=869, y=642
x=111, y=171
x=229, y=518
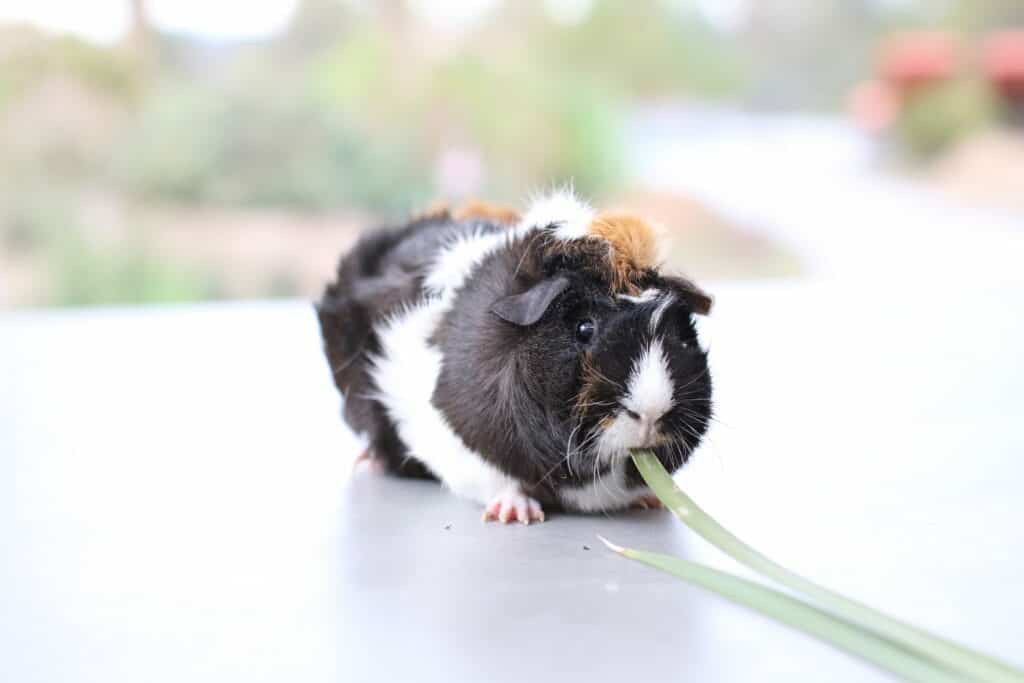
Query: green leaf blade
x=968, y=662
x=801, y=616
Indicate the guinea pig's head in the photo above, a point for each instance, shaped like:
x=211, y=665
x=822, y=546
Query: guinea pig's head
x=644, y=380
x=615, y=371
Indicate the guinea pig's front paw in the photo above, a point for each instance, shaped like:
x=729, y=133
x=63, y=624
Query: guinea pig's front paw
x=513, y=505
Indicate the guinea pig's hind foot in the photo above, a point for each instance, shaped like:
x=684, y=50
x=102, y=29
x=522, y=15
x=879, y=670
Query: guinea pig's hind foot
x=647, y=501
x=513, y=505
x=373, y=464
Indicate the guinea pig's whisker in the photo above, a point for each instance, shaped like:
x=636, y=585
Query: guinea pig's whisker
x=569, y=453
x=716, y=420
x=550, y=471
x=680, y=452
x=606, y=485
x=585, y=445
x=695, y=396
x=693, y=379
x=597, y=403
x=703, y=420
x=355, y=356
x=598, y=480
x=603, y=377
x=526, y=252
x=584, y=407
x=690, y=430
x=701, y=417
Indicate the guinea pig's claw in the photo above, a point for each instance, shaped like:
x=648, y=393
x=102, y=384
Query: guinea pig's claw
x=512, y=505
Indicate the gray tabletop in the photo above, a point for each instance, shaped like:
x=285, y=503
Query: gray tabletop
x=177, y=504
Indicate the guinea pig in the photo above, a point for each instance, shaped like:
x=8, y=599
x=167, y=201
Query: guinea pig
x=518, y=359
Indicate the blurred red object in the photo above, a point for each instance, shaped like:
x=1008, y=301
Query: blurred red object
x=1002, y=60
x=910, y=60
x=874, y=105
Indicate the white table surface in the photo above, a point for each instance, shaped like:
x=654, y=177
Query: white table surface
x=176, y=504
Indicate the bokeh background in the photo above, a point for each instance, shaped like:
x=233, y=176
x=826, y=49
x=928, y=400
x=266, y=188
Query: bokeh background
x=182, y=150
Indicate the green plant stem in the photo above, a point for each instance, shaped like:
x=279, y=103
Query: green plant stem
x=968, y=662
x=799, y=615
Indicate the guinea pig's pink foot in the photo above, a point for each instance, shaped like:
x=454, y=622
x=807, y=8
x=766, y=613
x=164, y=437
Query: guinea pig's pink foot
x=372, y=463
x=647, y=501
x=512, y=505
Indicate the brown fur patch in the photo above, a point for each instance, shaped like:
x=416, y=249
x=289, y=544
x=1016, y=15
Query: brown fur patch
x=435, y=209
x=589, y=378
x=486, y=211
x=632, y=246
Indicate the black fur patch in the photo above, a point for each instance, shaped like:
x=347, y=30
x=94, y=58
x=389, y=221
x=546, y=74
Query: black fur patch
x=383, y=272
x=512, y=392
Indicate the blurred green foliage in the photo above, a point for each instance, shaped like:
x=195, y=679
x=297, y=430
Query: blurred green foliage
x=89, y=275
x=549, y=127
x=940, y=114
x=261, y=147
x=44, y=225
x=29, y=59
x=541, y=102
x=641, y=50
x=355, y=106
x=29, y=216
x=350, y=109
x=529, y=124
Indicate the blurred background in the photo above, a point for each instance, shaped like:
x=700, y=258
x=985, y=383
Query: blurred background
x=180, y=150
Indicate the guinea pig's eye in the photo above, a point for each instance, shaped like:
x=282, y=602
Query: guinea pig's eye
x=585, y=330
x=687, y=334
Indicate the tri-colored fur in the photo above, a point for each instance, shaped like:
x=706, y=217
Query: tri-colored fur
x=487, y=211
x=629, y=240
x=631, y=247
x=519, y=358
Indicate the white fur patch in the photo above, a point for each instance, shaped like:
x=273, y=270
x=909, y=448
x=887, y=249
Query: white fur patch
x=660, y=311
x=570, y=215
x=650, y=389
x=405, y=374
x=647, y=295
x=649, y=392
x=456, y=261
x=408, y=367
x=608, y=492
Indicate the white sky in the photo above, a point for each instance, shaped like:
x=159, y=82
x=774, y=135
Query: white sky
x=106, y=20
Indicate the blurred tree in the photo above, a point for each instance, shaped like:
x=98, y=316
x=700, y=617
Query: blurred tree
x=247, y=146
x=61, y=102
x=140, y=39
x=807, y=53
x=540, y=100
x=316, y=26
x=639, y=49
x=977, y=16
x=87, y=275
x=941, y=114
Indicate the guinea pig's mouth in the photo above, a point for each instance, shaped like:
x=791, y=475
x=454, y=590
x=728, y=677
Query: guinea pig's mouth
x=629, y=429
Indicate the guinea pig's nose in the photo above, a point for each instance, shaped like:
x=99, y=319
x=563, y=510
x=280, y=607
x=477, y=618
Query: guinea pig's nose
x=650, y=417
x=648, y=423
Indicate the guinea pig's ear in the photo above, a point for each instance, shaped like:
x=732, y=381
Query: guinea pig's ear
x=527, y=308
x=698, y=300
